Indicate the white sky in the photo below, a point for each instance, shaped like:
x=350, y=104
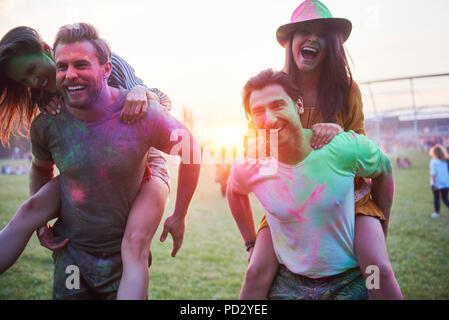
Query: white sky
x=201, y=52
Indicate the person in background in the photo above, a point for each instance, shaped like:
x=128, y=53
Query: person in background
x=439, y=177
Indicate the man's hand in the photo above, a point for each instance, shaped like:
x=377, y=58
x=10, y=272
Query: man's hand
x=47, y=238
x=256, y=145
x=136, y=104
x=323, y=133
x=176, y=226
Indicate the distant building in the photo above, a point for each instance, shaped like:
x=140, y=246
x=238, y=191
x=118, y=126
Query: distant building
x=431, y=126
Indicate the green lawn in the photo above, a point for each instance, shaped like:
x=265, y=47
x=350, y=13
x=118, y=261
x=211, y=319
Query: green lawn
x=212, y=262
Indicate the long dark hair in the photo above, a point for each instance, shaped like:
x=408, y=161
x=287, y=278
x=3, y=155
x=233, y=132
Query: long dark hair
x=335, y=79
x=18, y=103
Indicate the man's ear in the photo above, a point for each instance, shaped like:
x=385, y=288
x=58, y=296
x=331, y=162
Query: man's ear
x=299, y=105
x=107, y=69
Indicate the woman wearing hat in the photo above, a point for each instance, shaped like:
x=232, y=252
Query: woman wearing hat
x=315, y=59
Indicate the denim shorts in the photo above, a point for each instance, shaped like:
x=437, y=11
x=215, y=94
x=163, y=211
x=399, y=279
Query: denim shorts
x=349, y=285
x=97, y=276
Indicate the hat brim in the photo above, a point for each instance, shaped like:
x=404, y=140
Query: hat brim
x=343, y=26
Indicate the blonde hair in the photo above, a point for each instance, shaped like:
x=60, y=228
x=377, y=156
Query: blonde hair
x=438, y=151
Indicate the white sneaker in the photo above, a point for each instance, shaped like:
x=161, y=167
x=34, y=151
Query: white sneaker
x=435, y=215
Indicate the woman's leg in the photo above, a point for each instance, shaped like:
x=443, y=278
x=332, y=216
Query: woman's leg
x=143, y=221
x=444, y=197
x=33, y=213
x=262, y=268
x=371, y=251
x=436, y=200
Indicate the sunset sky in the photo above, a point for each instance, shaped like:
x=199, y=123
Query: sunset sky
x=202, y=52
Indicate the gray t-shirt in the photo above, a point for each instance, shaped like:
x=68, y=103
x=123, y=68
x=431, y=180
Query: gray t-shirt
x=101, y=165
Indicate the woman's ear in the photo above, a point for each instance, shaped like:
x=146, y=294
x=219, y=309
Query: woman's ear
x=299, y=105
x=47, y=48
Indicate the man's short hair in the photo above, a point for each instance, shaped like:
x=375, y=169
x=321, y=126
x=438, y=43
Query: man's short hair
x=264, y=79
x=78, y=32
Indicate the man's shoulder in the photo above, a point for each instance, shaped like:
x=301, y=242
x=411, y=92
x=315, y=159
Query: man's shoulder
x=43, y=121
x=345, y=140
x=351, y=141
x=342, y=150
x=156, y=112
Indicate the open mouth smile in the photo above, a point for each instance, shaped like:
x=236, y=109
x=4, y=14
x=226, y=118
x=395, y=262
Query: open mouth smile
x=75, y=89
x=309, y=53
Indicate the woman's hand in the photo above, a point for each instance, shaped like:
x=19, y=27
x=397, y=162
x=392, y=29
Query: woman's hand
x=323, y=133
x=53, y=107
x=47, y=238
x=136, y=104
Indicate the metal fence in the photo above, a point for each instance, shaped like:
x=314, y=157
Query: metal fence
x=396, y=103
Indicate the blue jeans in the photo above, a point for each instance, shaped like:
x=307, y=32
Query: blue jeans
x=349, y=285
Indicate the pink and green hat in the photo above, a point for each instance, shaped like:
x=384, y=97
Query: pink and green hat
x=312, y=10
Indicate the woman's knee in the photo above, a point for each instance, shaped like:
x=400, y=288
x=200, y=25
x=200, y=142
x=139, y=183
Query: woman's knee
x=136, y=244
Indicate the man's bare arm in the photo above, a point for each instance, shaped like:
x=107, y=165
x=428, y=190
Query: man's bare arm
x=41, y=172
x=243, y=215
x=382, y=189
x=188, y=175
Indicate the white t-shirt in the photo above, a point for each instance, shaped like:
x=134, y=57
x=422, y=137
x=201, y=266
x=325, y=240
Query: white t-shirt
x=310, y=206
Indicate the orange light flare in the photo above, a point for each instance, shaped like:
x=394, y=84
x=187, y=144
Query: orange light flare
x=221, y=145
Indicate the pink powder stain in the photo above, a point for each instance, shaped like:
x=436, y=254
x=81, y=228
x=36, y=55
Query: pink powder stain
x=76, y=191
x=391, y=187
x=316, y=193
x=103, y=173
x=310, y=201
x=353, y=135
x=284, y=188
x=313, y=198
x=77, y=195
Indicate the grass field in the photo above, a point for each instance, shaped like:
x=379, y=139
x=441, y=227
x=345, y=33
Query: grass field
x=212, y=262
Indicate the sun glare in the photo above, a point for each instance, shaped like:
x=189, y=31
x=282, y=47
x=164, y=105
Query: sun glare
x=224, y=142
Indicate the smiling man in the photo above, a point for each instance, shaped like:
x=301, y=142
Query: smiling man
x=101, y=163
x=309, y=200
